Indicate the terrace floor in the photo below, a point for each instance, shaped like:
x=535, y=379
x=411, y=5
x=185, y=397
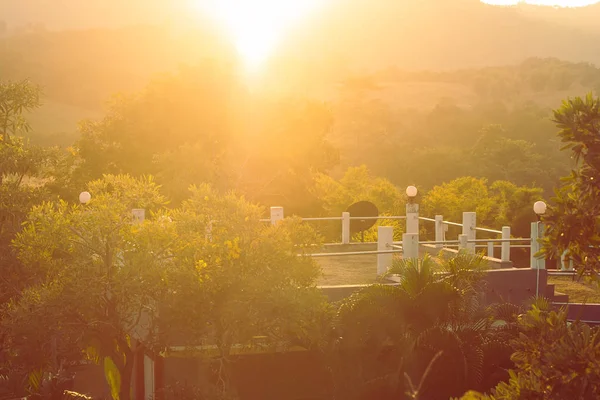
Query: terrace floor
x=362, y=269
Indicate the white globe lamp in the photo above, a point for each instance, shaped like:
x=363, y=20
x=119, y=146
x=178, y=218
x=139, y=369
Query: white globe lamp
x=411, y=192
x=539, y=208
x=85, y=197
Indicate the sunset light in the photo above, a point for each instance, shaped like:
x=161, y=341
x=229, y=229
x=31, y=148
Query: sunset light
x=299, y=199
x=257, y=26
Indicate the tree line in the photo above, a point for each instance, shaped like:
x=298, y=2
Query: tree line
x=105, y=287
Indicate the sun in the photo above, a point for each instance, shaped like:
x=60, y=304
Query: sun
x=256, y=26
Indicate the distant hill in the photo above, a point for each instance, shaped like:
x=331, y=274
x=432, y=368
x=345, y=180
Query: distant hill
x=578, y=17
x=82, y=52
x=354, y=35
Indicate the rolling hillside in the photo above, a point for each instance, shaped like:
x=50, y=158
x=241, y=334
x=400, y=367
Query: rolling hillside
x=86, y=52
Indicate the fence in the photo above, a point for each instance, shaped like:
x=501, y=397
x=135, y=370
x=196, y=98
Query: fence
x=410, y=245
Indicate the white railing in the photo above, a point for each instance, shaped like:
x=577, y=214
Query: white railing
x=409, y=247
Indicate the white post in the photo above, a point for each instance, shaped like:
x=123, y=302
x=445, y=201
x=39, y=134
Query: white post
x=537, y=229
x=276, y=215
x=385, y=239
x=412, y=218
x=345, y=228
x=463, y=242
x=468, y=228
x=439, y=231
x=563, y=261
x=410, y=246
x=490, y=249
x=149, y=385
x=139, y=215
x=208, y=231
x=505, y=254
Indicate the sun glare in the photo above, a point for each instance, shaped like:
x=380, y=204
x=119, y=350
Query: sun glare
x=256, y=26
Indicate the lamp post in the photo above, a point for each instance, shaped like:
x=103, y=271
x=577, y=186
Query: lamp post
x=410, y=239
x=537, y=233
x=412, y=210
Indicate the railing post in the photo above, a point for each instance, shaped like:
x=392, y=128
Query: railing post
x=439, y=231
x=139, y=215
x=208, y=231
x=490, y=249
x=345, y=228
x=505, y=253
x=563, y=261
x=410, y=245
x=412, y=218
x=468, y=228
x=537, y=233
x=276, y=215
x=463, y=242
x=385, y=239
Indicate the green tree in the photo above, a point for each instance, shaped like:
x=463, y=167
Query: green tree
x=16, y=98
x=573, y=220
x=463, y=194
x=22, y=172
x=99, y=279
x=359, y=184
x=500, y=204
x=502, y=158
x=200, y=126
x=554, y=359
x=192, y=107
x=277, y=154
x=251, y=287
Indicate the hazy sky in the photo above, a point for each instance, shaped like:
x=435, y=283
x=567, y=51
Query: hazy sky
x=563, y=3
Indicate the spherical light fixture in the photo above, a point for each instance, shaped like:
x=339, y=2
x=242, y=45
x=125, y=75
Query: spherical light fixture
x=411, y=191
x=539, y=208
x=85, y=197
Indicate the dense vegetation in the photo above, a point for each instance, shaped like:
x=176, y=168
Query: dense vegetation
x=205, y=154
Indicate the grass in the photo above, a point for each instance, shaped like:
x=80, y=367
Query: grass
x=578, y=291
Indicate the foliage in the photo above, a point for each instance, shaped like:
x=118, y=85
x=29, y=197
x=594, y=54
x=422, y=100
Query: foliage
x=16, y=98
x=252, y=286
x=359, y=184
x=100, y=277
x=388, y=335
x=462, y=194
x=573, y=220
x=554, y=359
x=502, y=158
x=200, y=126
x=500, y=204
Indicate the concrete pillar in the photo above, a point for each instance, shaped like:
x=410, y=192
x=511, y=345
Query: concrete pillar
x=505, y=254
x=563, y=262
x=537, y=233
x=463, y=242
x=440, y=232
x=385, y=239
x=139, y=215
x=345, y=228
x=149, y=387
x=468, y=228
x=490, y=249
x=410, y=245
x=139, y=376
x=276, y=215
x=412, y=218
